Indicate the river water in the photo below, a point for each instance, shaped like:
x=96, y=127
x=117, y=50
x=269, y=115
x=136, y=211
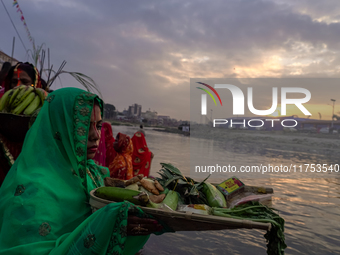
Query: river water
x=310, y=207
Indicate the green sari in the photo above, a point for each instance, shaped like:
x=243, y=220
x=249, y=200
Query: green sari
x=44, y=200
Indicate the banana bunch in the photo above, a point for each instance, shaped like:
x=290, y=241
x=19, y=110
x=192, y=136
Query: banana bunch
x=22, y=100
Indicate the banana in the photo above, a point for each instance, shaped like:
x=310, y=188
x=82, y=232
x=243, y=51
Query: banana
x=28, y=90
x=21, y=96
x=15, y=93
x=24, y=104
x=42, y=94
x=121, y=194
x=7, y=108
x=35, y=104
x=4, y=100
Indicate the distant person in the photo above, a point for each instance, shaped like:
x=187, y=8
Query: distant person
x=142, y=156
x=141, y=130
x=121, y=166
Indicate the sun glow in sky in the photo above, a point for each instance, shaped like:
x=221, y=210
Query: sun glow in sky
x=277, y=112
x=324, y=110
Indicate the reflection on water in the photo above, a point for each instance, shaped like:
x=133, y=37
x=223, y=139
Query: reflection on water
x=310, y=206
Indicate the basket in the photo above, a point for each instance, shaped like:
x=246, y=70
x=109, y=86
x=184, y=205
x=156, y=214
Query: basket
x=14, y=127
x=187, y=221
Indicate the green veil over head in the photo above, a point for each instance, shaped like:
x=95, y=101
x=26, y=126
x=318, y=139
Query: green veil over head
x=44, y=199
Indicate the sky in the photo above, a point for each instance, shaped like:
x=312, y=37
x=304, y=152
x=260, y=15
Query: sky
x=145, y=52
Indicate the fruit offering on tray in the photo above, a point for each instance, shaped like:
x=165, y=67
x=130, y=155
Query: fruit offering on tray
x=22, y=100
x=173, y=192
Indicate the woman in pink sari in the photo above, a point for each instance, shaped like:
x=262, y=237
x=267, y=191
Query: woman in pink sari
x=105, y=153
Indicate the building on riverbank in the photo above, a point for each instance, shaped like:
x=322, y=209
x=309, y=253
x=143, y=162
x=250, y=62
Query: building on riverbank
x=135, y=110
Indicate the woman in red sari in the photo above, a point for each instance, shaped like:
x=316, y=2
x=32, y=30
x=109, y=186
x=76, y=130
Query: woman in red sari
x=142, y=156
x=121, y=166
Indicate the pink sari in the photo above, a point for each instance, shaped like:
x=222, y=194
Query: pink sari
x=2, y=92
x=105, y=153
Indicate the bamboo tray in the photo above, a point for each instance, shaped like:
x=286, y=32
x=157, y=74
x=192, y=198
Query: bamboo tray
x=186, y=221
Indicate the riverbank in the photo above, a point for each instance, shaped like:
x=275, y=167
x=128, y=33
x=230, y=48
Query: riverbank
x=172, y=131
x=128, y=124
x=272, y=142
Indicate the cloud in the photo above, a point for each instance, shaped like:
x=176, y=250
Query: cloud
x=145, y=52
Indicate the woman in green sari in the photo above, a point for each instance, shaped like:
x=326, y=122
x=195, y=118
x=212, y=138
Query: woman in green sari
x=44, y=205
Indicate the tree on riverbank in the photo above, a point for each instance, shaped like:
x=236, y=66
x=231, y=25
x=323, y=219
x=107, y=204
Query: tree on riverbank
x=109, y=111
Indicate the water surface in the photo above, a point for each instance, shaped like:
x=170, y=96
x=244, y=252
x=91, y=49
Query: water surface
x=310, y=206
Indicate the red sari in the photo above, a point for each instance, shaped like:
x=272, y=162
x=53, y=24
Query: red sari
x=105, y=153
x=141, y=157
x=121, y=166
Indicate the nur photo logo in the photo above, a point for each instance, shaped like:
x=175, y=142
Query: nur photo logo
x=238, y=99
x=238, y=107
x=204, y=97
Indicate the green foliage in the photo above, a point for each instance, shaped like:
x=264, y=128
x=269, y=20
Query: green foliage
x=109, y=111
x=86, y=81
x=257, y=212
x=35, y=54
x=189, y=190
